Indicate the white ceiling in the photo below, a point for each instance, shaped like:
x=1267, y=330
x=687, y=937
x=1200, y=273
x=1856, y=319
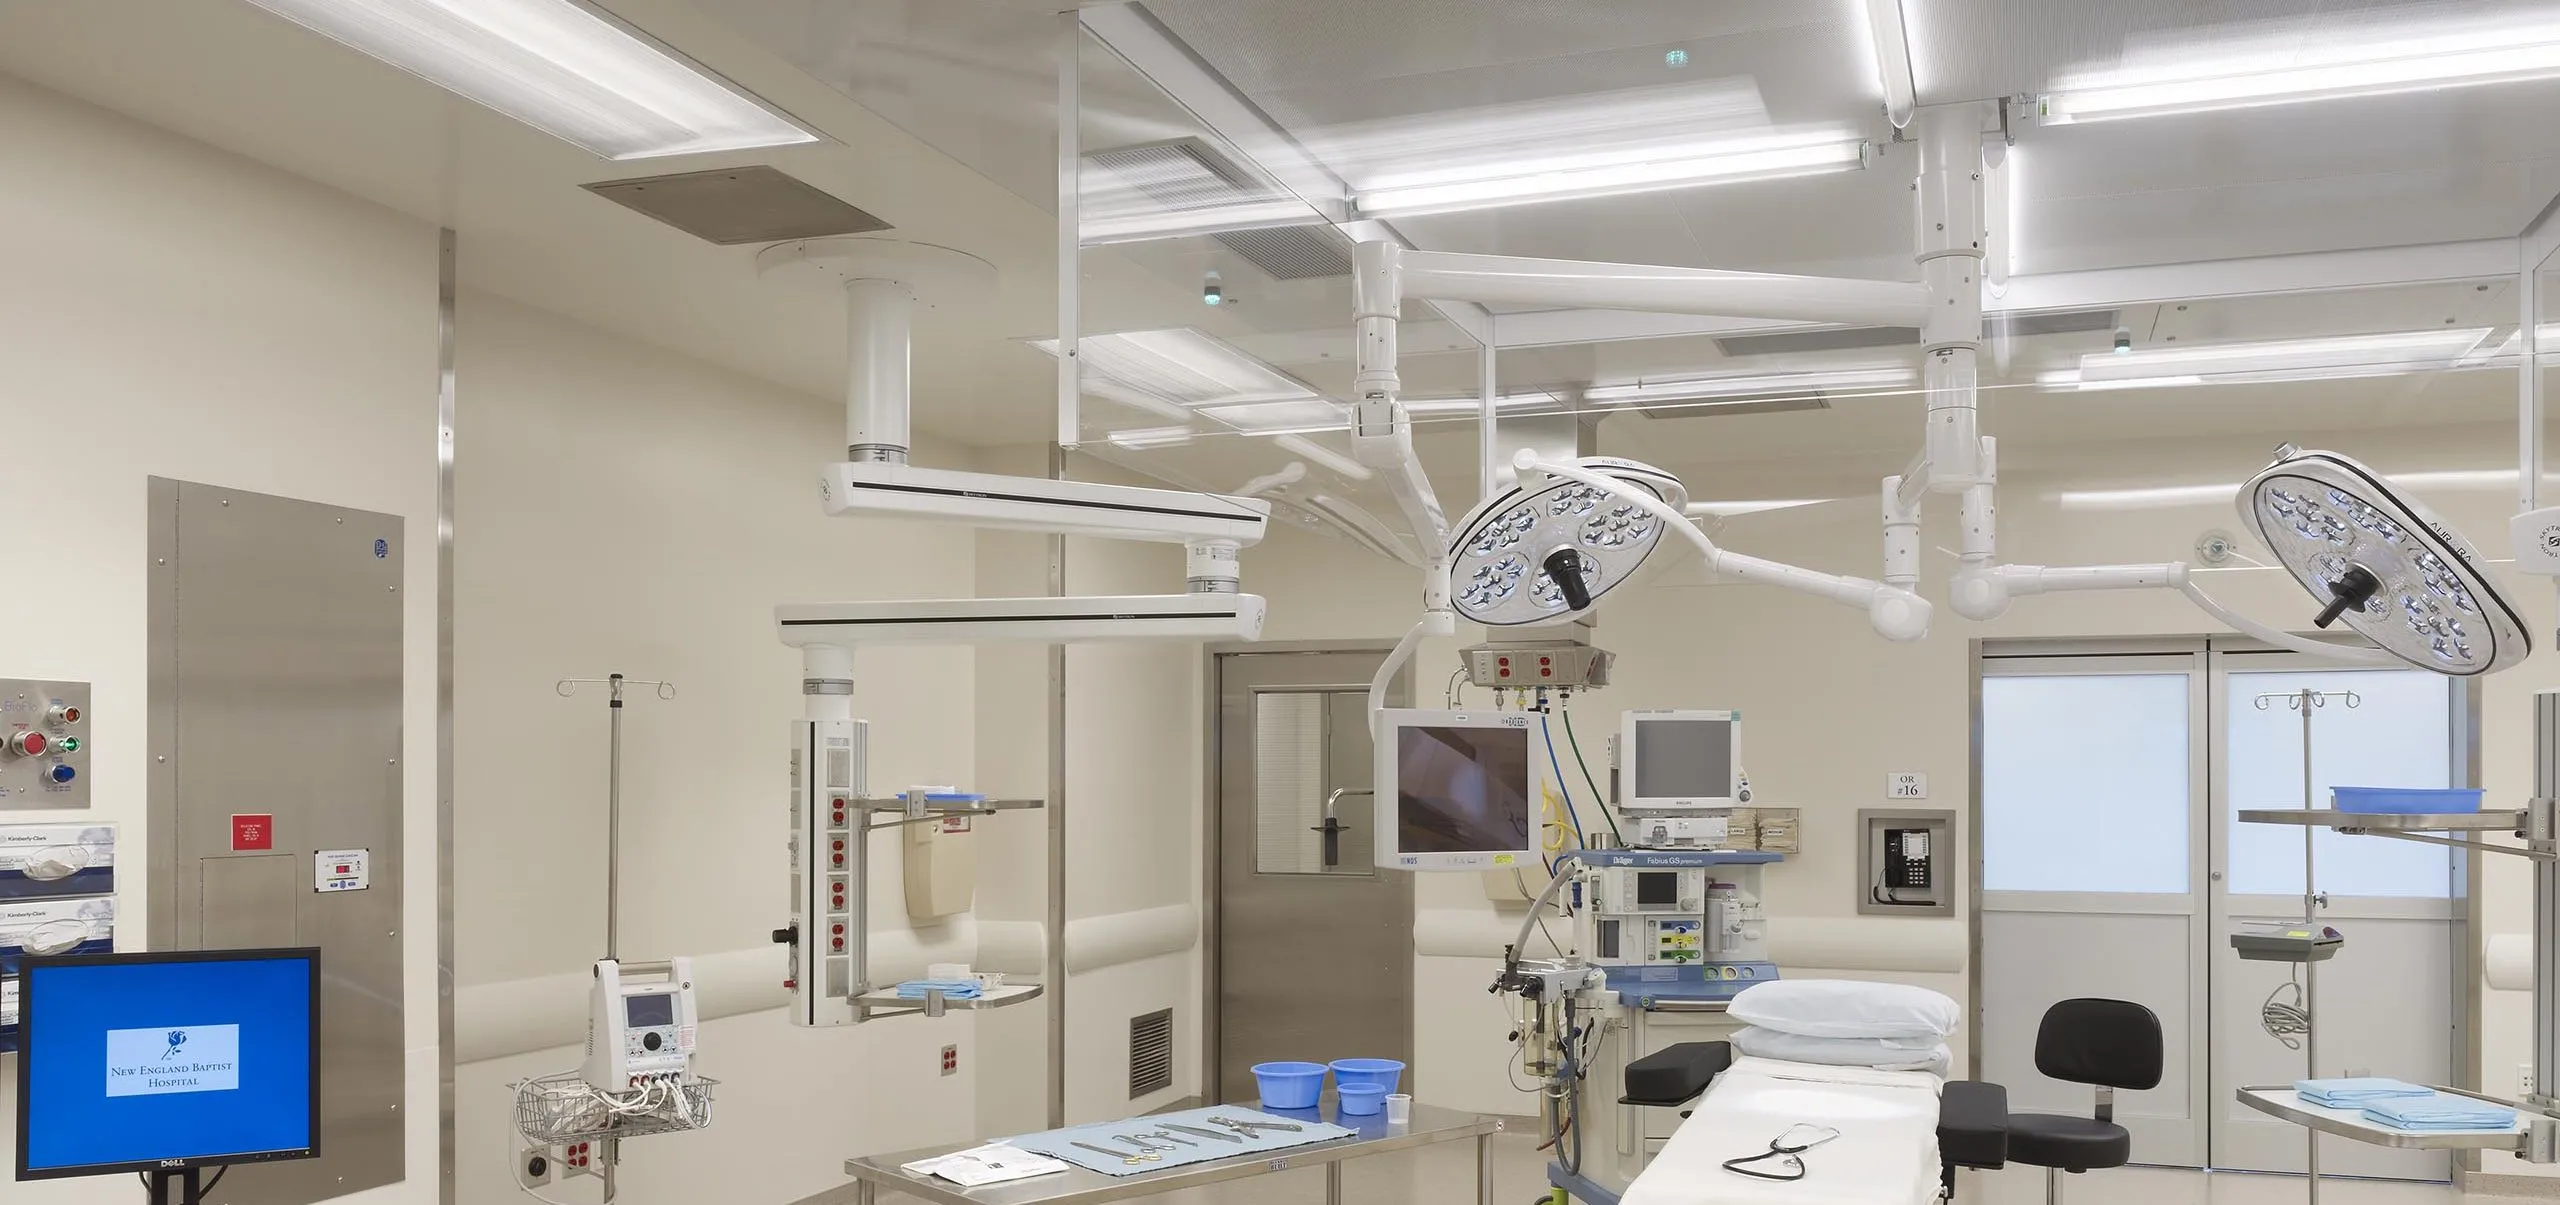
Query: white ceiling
x=229, y=74
x=941, y=118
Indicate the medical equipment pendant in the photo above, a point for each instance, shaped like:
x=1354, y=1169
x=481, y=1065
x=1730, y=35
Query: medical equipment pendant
x=829, y=765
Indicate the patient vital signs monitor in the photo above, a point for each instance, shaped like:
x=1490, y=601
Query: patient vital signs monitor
x=167, y=1062
x=1456, y=790
x=1678, y=761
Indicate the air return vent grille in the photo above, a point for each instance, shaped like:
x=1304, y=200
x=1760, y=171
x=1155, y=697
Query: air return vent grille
x=1289, y=252
x=1855, y=338
x=734, y=206
x=1150, y=1053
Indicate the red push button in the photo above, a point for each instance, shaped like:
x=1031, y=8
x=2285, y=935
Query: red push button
x=27, y=742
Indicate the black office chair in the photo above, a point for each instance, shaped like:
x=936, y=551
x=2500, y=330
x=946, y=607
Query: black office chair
x=2110, y=1044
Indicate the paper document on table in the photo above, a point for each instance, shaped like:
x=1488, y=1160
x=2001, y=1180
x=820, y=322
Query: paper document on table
x=995, y=1163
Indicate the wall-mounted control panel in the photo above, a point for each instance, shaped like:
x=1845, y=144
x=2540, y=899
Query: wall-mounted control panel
x=44, y=744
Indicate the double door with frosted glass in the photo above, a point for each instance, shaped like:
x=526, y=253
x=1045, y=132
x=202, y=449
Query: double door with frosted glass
x=2113, y=864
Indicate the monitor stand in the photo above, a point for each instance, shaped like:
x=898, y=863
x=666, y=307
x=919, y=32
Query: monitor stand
x=179, y=1187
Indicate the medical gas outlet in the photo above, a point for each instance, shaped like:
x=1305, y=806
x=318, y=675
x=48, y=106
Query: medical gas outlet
x=44, y=762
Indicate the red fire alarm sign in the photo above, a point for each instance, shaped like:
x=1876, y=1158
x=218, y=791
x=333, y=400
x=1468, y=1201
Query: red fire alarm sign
x=253, y=832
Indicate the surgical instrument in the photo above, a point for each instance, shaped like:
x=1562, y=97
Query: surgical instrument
x=1123, y=1156
x=1145, y=1143
x=1253, y=1128
x=1220, y=1135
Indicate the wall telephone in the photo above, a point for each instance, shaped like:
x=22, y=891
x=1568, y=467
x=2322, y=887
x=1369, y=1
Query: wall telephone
x=1906, y=859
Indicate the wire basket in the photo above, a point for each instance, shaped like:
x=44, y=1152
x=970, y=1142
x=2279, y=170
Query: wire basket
x=555, y=1110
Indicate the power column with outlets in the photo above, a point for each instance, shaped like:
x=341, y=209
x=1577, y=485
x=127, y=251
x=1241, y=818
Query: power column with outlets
x=829, y=768
x=44, y=750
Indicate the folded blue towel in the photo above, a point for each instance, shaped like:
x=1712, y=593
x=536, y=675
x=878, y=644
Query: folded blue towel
x=951, y=989
x=2353, y=1093
x=2440, y=1113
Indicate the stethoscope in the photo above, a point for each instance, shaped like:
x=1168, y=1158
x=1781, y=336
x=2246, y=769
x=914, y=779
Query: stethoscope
x=1791, y=1165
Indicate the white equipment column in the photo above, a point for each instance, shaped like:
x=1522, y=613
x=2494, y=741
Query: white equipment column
x=1950, y=259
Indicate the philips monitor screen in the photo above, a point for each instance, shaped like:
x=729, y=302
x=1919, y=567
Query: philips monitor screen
x=135, y=1062
x=1681, y=759
x=1456, y=791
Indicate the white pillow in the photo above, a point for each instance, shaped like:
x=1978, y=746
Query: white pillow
x=1883, y=1054
x=1843, y=1008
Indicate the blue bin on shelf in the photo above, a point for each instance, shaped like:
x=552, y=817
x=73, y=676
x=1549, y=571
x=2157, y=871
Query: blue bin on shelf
x=1362, y=1100
x=1385, y=1073
x=1289, y=1085
x=2406, y=801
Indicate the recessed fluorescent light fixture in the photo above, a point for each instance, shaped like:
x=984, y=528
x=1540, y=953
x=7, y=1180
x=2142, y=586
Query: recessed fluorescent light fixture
x=1756, y=386
x=1765, y=158
x=1142, y=224
x=559, y=66
x=1138, y=439
x=1893, y=59
x=1182, y=371
x=1467, y=406
x=2337, y=358
x=2299, y=66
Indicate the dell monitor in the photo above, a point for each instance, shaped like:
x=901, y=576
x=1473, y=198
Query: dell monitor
x=167, y=1062
x=1455, y=790
x=1678, y=761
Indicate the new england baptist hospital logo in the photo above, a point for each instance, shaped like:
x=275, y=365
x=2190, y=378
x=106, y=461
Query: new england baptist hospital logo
x=157, y=1062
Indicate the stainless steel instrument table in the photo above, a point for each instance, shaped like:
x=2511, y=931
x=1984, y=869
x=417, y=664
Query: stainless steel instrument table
x=1076, y=1186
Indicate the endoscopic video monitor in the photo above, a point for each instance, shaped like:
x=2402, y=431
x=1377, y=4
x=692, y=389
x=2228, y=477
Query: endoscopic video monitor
x=1456, y=790
x=167, y=1061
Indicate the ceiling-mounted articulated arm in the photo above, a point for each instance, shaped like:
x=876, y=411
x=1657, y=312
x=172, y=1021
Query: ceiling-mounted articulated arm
x=1381, y=432
x=1898, y=614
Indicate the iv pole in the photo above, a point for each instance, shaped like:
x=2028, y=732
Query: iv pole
x=2305, y=701
x=565, y=687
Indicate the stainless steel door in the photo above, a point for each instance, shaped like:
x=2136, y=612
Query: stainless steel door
x=1314, y=956
x=276, y=638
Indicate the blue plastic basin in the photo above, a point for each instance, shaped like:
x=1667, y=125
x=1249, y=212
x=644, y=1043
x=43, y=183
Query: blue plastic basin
x=1362, y=1100
x=1385, y=1073
x=1289, y=1085
x=2406, y=801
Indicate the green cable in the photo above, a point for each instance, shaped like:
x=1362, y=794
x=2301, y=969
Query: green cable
x=1607, y=812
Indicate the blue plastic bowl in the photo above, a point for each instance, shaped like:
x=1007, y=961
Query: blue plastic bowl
x=1362, y=1100
x=1289, y=1085
x=2406, y=800
x=1385, y=1073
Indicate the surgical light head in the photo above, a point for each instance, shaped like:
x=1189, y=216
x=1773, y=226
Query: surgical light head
x=2385, y=564
x=1546, y=549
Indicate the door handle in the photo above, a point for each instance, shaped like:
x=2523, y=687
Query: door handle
x=1333, y=827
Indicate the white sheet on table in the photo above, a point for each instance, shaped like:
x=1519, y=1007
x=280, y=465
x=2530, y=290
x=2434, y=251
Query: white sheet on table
x=1886, y=1154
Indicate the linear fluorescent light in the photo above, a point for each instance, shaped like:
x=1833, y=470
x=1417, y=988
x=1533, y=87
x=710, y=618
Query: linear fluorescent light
x=1748, y=506
x=1182, y=371
x=1893, y=59
x=1756, y=385
x=1742, y=159
x=1144, y=224
x=1426, y=406
x=559, y=66
x=2295, y=68
x=2334, y=358
x=1138, y=439
x=2226, y=491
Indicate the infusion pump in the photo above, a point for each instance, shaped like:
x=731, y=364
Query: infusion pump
x=641, y=1024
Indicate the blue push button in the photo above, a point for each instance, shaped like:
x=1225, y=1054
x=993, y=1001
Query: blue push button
x=59, y=774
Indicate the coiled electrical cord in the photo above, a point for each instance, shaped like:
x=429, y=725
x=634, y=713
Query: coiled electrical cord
x=2286, y=1021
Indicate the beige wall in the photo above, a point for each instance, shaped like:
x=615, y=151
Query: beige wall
x=167, y=309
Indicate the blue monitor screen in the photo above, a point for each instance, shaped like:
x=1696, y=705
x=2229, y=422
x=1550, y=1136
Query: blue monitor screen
x=133, y=1061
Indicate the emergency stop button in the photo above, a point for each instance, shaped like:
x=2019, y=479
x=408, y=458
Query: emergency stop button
x=27, y=742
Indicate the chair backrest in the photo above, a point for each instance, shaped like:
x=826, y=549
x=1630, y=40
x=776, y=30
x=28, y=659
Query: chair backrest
x=2108, y=1043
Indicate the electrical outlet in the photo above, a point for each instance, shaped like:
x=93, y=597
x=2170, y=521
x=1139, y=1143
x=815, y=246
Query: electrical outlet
x=579, y=1159
x=535, y=1167
x=2524, y=1079
x=951, y=1060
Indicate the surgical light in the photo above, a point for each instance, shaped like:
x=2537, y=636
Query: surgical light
x=2385, y=564
x=1547, y=548
x=2294, y=67
x=559, y=66
x=1769, y=157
